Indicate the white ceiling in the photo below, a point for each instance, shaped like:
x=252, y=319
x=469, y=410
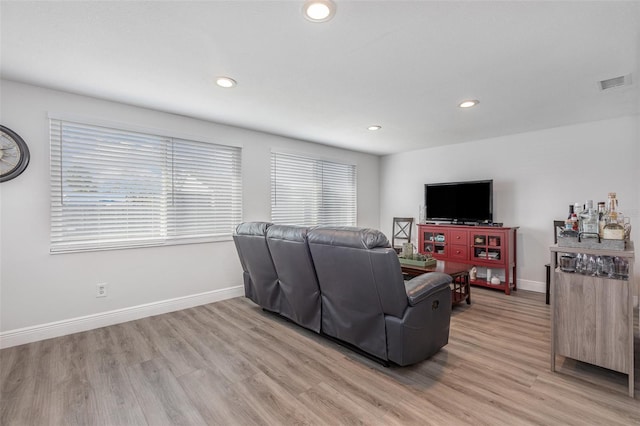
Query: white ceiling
x=402, y=64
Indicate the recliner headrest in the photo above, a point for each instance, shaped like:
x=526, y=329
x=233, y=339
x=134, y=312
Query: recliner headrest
x=348, y=236
x=253, y=228
x=287, y=232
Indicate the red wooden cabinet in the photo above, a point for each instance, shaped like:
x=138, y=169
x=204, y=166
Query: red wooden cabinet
x=486, y=247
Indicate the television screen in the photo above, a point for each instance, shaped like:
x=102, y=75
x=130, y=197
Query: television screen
x=459, y=201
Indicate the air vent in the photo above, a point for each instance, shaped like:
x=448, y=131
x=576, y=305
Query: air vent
x=623, y=80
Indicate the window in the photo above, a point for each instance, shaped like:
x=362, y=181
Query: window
x=115, y=188
x=309, y=191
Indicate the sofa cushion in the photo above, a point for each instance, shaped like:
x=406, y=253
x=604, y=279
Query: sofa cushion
x=253, y=228
x=288, y=233
x=260, y=278
x=299, y=298
x=348, y=236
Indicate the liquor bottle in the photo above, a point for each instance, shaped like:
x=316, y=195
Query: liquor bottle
x=570, y=211
x=568, y=231
x=589, y=221
x=574, y=222
x=612, y=230
x=577, y=209
x=601, y=217
x=612, y=206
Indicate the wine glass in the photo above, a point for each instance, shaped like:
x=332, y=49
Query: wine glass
x=600, y=266
x=591, y=266
x=580, y=263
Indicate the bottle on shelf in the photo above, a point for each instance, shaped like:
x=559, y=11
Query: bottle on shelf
x=568, y=231
x=612, y=229
x=601, y=217
x=570, y=211
x=574, y=222
x=577, y=209
x=589, y=221
x=612, y=204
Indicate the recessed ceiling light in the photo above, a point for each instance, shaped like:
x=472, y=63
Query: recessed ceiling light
x=374, y=127
x=319, y=10
x=225, y=82
x=469, y=104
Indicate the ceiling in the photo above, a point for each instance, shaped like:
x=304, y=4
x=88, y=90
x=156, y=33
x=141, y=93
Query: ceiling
x=404, y=65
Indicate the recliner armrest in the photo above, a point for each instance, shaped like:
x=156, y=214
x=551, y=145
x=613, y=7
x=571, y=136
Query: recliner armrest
x=423, y=286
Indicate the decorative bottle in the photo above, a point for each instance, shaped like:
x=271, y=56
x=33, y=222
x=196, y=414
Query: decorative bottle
x=577, y=209
x=589, y=221
x=601, y=217
x=612, y=206
x=574, y=221
x=612, y=230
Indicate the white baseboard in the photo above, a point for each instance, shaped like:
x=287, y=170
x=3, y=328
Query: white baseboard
x=537, y=286
x=74, y=325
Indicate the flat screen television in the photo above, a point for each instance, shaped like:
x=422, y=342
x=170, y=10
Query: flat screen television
x=466, y=202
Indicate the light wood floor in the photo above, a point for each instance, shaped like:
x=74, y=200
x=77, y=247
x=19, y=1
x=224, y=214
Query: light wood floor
x=230, y=363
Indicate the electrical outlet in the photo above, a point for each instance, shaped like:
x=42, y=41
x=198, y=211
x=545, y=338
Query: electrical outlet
x=101, y=290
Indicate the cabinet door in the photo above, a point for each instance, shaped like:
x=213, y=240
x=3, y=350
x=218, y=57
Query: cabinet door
x=612, y=324
x=575, y=316
x=486, y=247
x=434, y=242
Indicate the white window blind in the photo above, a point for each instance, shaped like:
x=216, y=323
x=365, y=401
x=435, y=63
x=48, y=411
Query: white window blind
x=114, y=188
x=309, y=191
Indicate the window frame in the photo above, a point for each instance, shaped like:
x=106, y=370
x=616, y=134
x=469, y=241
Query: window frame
x=321, y=215
x=235, y=179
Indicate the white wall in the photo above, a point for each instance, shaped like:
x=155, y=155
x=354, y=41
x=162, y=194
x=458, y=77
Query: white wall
x=38, y=288
x=535, y=175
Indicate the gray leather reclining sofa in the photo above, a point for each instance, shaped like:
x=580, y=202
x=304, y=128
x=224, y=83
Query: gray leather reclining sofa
x=345, y=283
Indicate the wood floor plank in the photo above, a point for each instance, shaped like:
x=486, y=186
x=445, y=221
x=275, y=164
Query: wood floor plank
x=127, y=339
x=180, y=356
x=30, y=408
x=275, y=404
x=70, y=357
x=116, y=402
x=231, y=363
x=217, y=400
x=17, y=369
x=160, y=395
x=73, y=403
x=326, y=401
x=218, y=354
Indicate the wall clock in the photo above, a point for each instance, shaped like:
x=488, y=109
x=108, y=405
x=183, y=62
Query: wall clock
x=14, y=154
